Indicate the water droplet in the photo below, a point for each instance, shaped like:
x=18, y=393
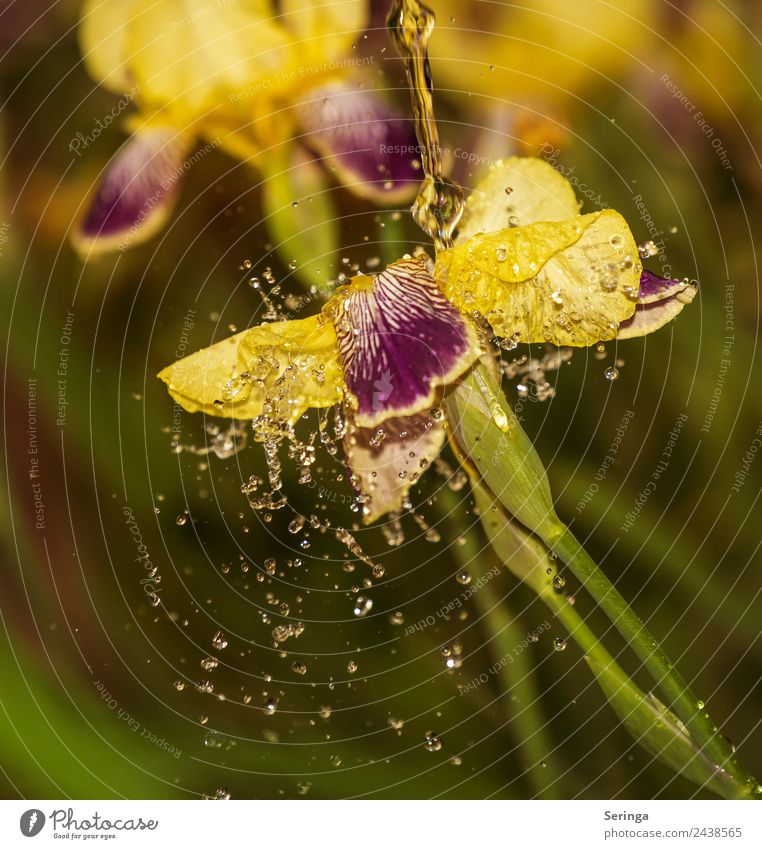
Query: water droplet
x=270, y=705
x=363, y=605
x=220, y=794
x=352, y=667
x=463, y=576
x=432, y=742
x=335, y=760
x=181, y=520
x=295, y=525
x=219, y=641
x=559, y=582
x=559, y=644
x=611, y=373
x=299, y=667
x=213, y=740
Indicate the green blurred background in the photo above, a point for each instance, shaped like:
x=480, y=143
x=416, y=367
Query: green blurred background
x=104, y=694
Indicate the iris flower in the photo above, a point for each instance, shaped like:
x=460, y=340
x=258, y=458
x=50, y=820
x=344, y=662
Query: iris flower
x=525, y=263
x=274, y=84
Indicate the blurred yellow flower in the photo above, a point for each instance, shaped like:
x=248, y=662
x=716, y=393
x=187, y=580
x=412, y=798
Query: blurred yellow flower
x=264, y=82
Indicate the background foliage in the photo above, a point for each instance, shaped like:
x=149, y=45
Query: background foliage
x=88, y=666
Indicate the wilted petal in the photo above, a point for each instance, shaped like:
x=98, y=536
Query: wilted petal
x=372, y=148
x=399, y=339
x=136, y=193
x=566, y=282
x=517, y=191
x=279, y=369
x=660, y=299
x=385, y=461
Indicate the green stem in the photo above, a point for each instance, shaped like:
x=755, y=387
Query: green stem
x=528, y=723
x=487, y=431
x=679, y=695
x=652, y=725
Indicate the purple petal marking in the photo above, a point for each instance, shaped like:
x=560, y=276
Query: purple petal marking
x=135, y=194
x=381, y=467
x=655, y=288
x=372, y=148
x=399, y=339
x=660, y=299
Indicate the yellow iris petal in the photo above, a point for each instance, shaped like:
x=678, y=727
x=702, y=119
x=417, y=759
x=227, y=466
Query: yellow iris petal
x=279, y=370
x=566, y=282
x=103, y=37
x=519, y=190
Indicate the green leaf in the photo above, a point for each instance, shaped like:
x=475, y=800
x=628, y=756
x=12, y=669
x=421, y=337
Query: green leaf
x=300, y=214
